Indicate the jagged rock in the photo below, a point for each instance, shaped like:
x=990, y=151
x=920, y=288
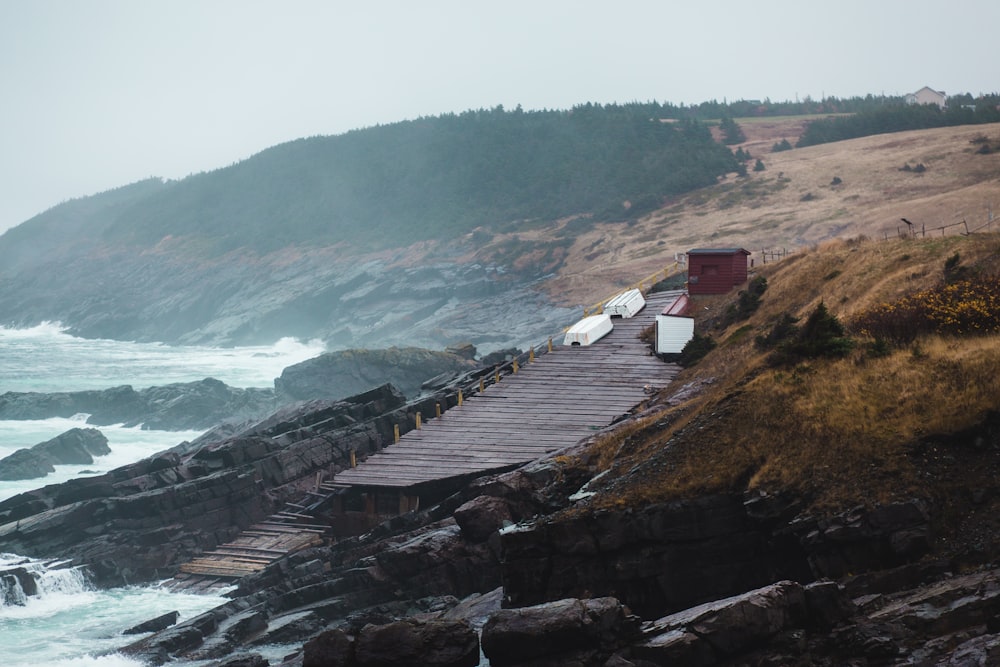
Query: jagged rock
x=75, y=446
x=438, y=559
x=499, y=357
x=16, y=585
x=137, y=522
x=859, y=540
x=655, y=559
x=413, y=643
x=290, y=628
x=725, y=627
x=339, y=374
x=827, y=603
x=332, y=647
x=551, y=631
x=245, y=660
x=183, y=405
x=153, y=624
x=24, y=464
x=482, y=517
x=466, y=350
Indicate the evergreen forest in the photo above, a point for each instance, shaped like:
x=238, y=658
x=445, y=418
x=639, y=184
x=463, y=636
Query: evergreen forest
x=435, y=177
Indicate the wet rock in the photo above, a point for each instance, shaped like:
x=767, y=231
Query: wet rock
x=16, y=585
x=556, y=630
x=482, y=517
x=655, y=559
x=725, y=627
x=153, y=624
x=24, y=464
x=75, y=446
x=185, y=405
x=332, y=647
x=347, y=372
x=412, y=642
x=243, y=660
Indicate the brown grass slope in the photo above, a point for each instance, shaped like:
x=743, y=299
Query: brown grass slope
x=793, y=203
x=836, y=433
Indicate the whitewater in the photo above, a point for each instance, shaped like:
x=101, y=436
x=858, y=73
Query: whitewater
x=69, y=623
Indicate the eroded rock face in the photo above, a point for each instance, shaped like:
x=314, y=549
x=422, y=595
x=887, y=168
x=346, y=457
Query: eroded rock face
x=724, y=628
x=655, y=559
x=563, y=631
x=75, y=446
x=140, y=521
x=348, y=372
x=178, y=406
x=434, y=643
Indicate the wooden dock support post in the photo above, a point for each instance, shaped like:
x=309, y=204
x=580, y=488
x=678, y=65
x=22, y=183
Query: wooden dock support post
x=550, y=343
x=482, y=386
x=460, y=396
x=354, y=459
x=395, y=433
x=514, y=366
x=437, y=410
x=418, y=421
x=531, y=354
x=496, y=376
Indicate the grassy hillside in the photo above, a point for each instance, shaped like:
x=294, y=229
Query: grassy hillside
x=795, y=202
x=884, y=422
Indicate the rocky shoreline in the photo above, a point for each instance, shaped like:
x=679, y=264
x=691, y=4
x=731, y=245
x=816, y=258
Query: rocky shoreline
x=514, y=569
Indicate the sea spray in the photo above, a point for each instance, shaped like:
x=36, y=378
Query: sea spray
x=68, y=622
x=47, y=359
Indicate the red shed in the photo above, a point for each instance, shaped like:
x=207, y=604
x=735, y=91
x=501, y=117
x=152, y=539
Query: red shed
x=716, y=270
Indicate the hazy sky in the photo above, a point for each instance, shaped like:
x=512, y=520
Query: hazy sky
x=95, y=94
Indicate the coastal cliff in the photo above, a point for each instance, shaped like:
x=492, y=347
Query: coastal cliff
x=701, y=529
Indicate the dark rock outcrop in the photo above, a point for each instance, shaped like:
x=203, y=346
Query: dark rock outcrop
x=75, y=446
x=16, y=585
x=432, y=643
x=140, y=521
x=570, y=631
x=347, y=372
x=178, y=406
x=712, y=632
x=154, y=624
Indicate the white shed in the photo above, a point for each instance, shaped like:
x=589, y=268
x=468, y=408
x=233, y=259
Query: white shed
x=673, y=328
x=626, y=304
x=589, y=330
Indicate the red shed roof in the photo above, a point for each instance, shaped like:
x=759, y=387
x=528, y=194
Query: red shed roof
x=718, y=251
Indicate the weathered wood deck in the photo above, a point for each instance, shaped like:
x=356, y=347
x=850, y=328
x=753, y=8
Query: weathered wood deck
x=560, y=398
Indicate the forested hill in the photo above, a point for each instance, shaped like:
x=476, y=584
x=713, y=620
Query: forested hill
x=433, y=178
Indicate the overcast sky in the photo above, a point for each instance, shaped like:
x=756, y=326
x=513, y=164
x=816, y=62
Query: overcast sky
x=95, y=94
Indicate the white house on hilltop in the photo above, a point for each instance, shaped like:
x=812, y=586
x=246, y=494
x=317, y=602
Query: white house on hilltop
x=927, y=96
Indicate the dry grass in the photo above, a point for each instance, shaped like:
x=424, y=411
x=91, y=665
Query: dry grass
x=769, y=209
x=838, y=433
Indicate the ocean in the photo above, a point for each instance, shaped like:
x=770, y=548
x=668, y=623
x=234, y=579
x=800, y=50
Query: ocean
x=69, y=623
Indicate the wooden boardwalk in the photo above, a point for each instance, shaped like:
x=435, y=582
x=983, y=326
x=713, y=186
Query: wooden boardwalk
x=560, y=398
x=254, y=549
